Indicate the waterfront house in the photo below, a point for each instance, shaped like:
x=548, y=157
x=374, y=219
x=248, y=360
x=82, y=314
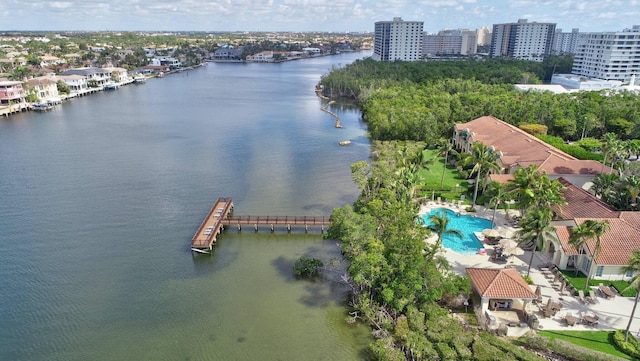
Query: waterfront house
x=77, y=83
x=172, y=63
x=119, y=75
x=12, y=94
x=227, y=52
x=98, y=76
x=267, y=56
x=45, y=88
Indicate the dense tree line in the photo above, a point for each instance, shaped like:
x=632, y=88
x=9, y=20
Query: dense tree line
x=422, y=100
x=399, y=283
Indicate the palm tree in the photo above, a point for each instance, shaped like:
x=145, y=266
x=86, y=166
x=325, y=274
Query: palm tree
x=592, y=229
x=446, y=147
x=536, y=227
x=484, y=161
x=439, y=225
x=521, y=187
x=498, y=193
x=634, y=266
x=609, y=145
x=603, y=183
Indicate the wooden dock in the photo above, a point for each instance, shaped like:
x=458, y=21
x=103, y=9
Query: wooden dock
x=220, y=216
x=208, y=232
x=273, y=221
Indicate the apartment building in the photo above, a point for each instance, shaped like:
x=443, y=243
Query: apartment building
x=450, y=42
x=398, y=40
x=565, y=43
x=522, y=40
x=608, y=55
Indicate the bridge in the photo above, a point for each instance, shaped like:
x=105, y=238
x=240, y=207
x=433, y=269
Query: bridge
x=221, y=215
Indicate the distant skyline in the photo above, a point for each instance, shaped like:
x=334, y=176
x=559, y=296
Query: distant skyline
x=309, y=15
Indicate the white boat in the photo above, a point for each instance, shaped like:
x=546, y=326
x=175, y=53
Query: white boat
x=139, y=79
x=344, y=142
x=199, y=250
x=111, y=86
x=41, y=107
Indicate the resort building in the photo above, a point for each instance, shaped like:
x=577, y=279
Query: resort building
x=616, y=244
x=515, y=148
x=608, y=55
x=522, y=40
x=398, y=40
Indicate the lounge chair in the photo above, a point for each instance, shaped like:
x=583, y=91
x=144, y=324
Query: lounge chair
x=581, y=296
x=570, y=319
x=592, y=297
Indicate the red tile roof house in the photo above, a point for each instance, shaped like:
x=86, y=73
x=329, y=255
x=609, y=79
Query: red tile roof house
x=516, y=148
x=616, y=245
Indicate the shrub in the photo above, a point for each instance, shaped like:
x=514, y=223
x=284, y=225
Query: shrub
x=534, y=129
x=631, y=347
x=528, y=279
x=307, y=267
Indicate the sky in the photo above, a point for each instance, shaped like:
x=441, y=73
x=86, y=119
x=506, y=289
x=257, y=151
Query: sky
x=309, y=15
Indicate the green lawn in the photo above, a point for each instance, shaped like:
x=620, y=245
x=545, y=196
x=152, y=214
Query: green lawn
x=579, y=280
x=432, y=177
x=594, y=340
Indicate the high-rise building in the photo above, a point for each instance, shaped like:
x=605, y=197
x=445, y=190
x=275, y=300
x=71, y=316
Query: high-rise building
x=450, y=42
x=565, y=43
x=522, y=40
x=483, y=35
x=608, y=55
x=398, y=40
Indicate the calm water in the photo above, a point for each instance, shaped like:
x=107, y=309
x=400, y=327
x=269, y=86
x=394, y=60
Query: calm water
x=466, y=224
x=100, y=197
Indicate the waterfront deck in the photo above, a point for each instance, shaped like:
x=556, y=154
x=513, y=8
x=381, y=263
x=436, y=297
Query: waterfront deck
x=220, y=216
x=208, y=232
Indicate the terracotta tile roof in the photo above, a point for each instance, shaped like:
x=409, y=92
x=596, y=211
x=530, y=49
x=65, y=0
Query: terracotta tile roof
x=500, y=283
x=521, y=148
x=616, y=244
x=501, y=178
x=582, y=204
x=633, y=218
x=563, y=233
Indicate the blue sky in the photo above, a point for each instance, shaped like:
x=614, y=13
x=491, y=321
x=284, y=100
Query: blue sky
x=309, y=15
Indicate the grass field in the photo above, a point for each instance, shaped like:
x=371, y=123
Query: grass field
x=579, y=280
x=594, y=340
x=431, y=178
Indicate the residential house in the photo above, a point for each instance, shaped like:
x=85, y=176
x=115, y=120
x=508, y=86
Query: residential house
x=77, y=83
x=515, y=148
x=45, y=88
x=12, y=93
x=172, y=63
x=267, y=56
x=97, y=76
x=227, y=52
x=119, y=75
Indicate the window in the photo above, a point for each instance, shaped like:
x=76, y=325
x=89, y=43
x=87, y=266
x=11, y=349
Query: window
x=599, y=270
x=628, y=274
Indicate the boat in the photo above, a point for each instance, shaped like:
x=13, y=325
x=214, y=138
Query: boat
x=41, y=107
x=139, y=79
x=199, y=250
x=111, y=86
x=344, y=143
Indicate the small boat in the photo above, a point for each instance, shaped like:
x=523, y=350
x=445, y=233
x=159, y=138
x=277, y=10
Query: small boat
x=111, y=86
x=41, y=107
x=344, y=143
x=139, y=79
x=199, y=250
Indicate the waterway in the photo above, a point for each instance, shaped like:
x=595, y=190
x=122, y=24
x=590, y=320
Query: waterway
x=100, y=197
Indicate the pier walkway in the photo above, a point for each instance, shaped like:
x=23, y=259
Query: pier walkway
x=212, y=225
x=220, y=215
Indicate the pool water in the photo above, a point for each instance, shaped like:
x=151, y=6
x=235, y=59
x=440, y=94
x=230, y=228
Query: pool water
x=466, y=224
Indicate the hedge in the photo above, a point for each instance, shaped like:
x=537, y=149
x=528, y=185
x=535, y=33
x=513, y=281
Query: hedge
x=631, y=347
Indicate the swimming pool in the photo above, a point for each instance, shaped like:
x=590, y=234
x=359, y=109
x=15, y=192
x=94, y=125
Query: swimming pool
x=466, y=224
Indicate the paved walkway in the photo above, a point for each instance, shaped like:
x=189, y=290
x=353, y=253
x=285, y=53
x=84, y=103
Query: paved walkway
x=612, y=313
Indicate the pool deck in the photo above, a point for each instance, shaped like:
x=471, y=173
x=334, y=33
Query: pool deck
x=613, y=313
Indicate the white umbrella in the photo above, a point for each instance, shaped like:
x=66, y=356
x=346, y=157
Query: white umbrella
x=511, y=247
x=505, y=232
x=493, y=233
